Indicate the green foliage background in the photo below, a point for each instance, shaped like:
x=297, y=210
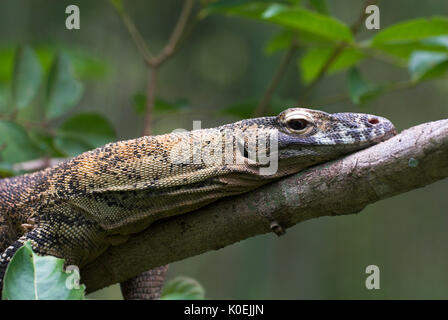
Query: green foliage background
x=63, y=92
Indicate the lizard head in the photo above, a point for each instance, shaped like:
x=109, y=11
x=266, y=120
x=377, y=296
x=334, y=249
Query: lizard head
x=316, y=136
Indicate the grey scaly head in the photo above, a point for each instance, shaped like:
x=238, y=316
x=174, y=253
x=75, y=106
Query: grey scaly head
x=306, y=137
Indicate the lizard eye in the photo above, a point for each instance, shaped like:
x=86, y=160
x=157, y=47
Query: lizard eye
x=297, y=124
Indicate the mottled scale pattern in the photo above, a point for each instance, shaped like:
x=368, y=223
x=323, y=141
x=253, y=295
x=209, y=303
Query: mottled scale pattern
x=82, y=206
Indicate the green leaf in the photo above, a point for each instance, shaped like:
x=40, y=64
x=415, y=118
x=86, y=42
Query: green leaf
x=27, y=77
x=6, y=170
x=46, y=144
x=424, y=64
x=139, y=103
x=304, y=20
x=245, y=109
x=32, y=277
x=244, y=8
x=242, y=110
x=160, y=105
x=405, y=50
x=295, y=18
x=280, y=41
x=15, y=144
x=360, y=90
x=5, y=98
x=6, y=63
x=63, y=90
x=83, y=132
x=315, y=58
x=412, y=30
x=117, y=4
x=70, y=146
x=85, y=64
x=320, y=6
x=183, y=288
x=440, y=41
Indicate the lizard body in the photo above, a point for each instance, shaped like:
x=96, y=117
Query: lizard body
x=77, y=209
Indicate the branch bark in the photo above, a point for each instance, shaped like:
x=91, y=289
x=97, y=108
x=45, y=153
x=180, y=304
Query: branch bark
x=415, y=158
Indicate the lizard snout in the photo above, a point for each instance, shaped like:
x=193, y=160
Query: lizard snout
x=382, y=128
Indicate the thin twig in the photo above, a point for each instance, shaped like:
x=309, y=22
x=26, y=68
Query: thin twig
x=178, y=30
x=333, y=56
x=263, y=106
x=150, y=98
x=155, y=62
x=323, y=70
x=38, y=164
x=137, y=37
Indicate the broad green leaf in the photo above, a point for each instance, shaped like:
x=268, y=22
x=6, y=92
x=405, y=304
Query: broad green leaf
x=46, y=144
x=5, y=98
x=440, y=41
x=315, y=58
x=360, y=90
x=424, y=64
x=304, y=20
x=165, y=106
x=117, y=4
x=242, y=110
x=245, y=109
x=6, y=63
x=83, y=132
x=139, y=103
x=295, y=18
x=249, y=9
x=85, y=64
x=33, y=277
x=63, y=90
x=320, y=6
x=412, y=30
x=27, y=76
x=160, y=105
x=404, y=50
x=6, y=170
x=15, y=144
x=280, y=41
x=183, y=288
x=70, y=146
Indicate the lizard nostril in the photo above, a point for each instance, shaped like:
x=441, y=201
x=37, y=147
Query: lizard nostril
x=373, y=121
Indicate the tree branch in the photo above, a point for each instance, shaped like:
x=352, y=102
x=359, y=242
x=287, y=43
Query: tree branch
x=416, y=157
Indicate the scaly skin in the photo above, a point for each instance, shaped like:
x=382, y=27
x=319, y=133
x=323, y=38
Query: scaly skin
x=77, y=209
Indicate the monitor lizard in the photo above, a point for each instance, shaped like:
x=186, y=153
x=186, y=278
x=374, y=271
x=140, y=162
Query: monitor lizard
x=77, y=209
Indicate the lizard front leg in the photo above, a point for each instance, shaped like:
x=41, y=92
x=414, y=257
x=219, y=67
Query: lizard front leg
x=63, y=231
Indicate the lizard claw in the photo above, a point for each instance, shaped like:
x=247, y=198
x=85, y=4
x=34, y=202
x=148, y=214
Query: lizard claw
x=277, y=228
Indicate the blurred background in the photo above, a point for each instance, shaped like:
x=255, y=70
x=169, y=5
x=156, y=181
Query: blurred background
x=218, y=75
